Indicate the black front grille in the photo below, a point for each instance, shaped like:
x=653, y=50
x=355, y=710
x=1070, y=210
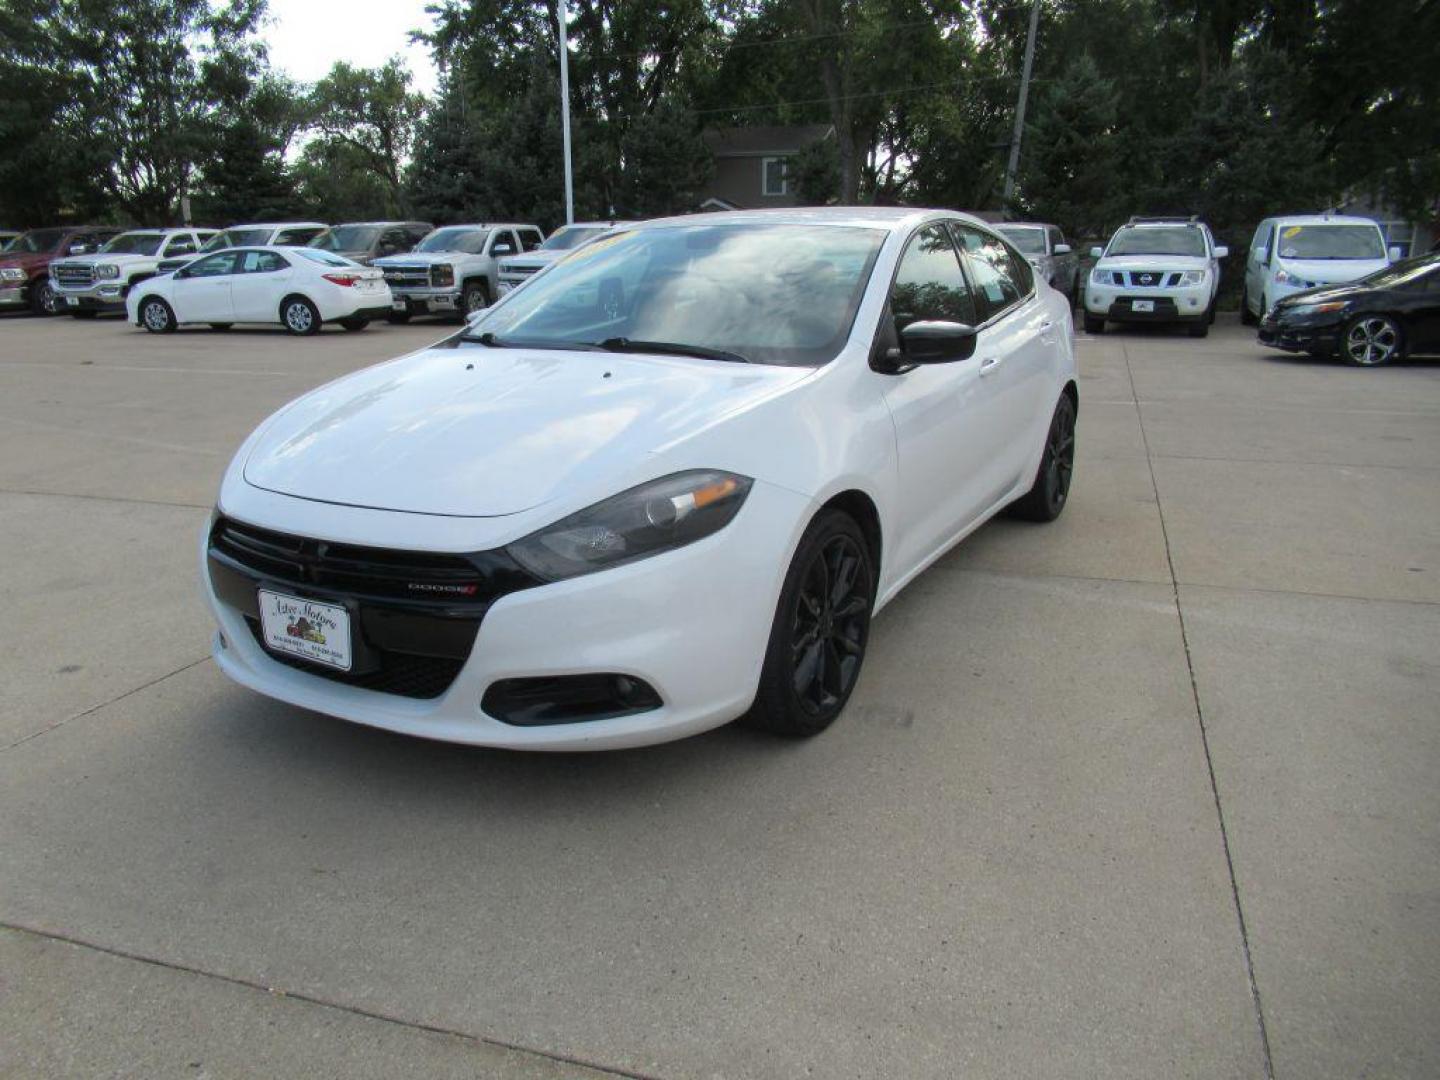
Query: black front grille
x=402, y=674
x=413, y=614
x=1148, y=279
x=75, y=275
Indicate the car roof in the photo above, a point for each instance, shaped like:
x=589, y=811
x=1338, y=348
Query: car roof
x=378, y=224
x=1024, y=225
x=1323, y=219
x=890, y=218
x=276, y=225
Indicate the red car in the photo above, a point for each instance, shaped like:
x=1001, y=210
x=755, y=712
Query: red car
x=25, y=264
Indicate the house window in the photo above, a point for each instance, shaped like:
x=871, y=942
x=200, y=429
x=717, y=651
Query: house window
x=773, y=178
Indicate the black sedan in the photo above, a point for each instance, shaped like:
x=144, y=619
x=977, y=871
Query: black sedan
x=1391, y=314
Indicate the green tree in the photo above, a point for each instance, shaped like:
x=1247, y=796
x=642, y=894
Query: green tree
x=1069, y=167
x=366, y=117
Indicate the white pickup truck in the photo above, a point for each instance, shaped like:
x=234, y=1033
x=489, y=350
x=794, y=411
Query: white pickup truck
x=454, y=270
x=101, y=282
x=518, y=269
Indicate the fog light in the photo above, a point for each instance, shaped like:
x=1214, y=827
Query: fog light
x=568, y=699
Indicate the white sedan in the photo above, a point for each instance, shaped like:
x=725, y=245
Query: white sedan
x=300, y=288
x=663, y=486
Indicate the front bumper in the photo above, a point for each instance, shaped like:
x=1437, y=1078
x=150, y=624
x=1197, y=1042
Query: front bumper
x=425, y=301
x=1319, y=338
x=15, y=295
x=102, y=296
x=692, y=623
x=1118, y=303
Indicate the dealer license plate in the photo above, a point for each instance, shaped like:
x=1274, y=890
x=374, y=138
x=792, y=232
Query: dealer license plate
x=398, y=305
x=312, y=631
x=73, y=301
x=1142, y=305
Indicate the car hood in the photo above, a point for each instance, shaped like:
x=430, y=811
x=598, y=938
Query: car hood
x=479, y=432
x=30, y=260
x=1322, y=294
x=113, y=259
x=1329, y=271
x=422, y=258
x=1152, y=262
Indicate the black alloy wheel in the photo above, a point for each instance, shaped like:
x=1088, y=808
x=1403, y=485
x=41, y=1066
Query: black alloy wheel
x=822, y=623
x=1047, y=496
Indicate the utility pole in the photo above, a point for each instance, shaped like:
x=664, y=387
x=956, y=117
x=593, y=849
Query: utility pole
x=1014, y=165
x=564, y=16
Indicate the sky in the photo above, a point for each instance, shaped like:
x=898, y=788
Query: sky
x=306, y=37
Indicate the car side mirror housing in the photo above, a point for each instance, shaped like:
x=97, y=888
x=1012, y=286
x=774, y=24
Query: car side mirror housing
x=79, y=249
x=932, y=341
x=1062, y=249
x=1222, y=251
x=502, y=249
x=1393, y=253
x=1096, y=252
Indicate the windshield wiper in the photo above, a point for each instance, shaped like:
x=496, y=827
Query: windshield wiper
x=489, y=339
x=624, y=344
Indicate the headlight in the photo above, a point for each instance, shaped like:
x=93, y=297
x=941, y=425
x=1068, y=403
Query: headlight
x=1193, y=277
x=107, y=270
x=1101, y=277
x=646, y=520
x=1286, y=277
x=12, y=273
x=1315, y=309
x=442, y=274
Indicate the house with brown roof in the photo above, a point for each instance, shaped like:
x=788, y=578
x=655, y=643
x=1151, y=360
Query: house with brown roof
x=752, y=164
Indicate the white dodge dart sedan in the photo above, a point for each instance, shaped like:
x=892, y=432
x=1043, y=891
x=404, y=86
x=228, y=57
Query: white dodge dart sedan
x=300, y=288
x=665, y=485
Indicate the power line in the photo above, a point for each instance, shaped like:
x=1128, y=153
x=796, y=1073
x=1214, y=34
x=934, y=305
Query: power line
x=953, y=84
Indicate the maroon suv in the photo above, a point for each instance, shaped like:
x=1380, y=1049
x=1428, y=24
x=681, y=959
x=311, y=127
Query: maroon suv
x=25, y=265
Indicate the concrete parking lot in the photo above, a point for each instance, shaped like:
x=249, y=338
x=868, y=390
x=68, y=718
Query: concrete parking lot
x=1147, y=793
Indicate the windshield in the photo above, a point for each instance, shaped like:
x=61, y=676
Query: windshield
x=324, y=258
x=1158, y=240
x=1026, y=241
x=1331, y=242
x=1403, y=272
x=768, y=294
x=237, y=238
x=36, y=241
x=347, y=238
x=134, y=243
x=465, y=241
x=572, y=236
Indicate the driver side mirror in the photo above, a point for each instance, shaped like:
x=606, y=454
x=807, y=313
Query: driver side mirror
x=79, y=249
x=933, y=341
x=1221, y=251
x=1393, y=253
x=1062, y=249
x=1096, y=252
x=502, y=248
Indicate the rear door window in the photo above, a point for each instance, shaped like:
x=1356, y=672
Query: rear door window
x=180, y=245
x=261, y=262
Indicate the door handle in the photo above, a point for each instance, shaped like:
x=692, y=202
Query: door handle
x=989, y=365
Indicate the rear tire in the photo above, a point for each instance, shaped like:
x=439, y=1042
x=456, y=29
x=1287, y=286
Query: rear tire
x=398, y=318
x=157, y=316
x=356, y=323
x=1050, y=492
x=1094, y=324
x=299, y=316
x=822, y=623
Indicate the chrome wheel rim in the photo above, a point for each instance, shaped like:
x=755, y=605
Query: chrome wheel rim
x=298, y=318
x=1060, y=457
x=155, y=316
x=49, y=301
x=1372, y=341
x=829, y=626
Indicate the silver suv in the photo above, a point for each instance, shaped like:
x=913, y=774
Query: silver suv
x=1045, y=249
x=454, y=270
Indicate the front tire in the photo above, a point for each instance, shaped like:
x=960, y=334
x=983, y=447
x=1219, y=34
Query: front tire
x=299, y=316
x=1051, y=490
x=43, y=300
x=398, y=318
x=1094, y=324
x=474, y=297
x=157, y=316
x=1372, y=341
x=822, y=623
x=1199, y=329
x=1247, y=317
